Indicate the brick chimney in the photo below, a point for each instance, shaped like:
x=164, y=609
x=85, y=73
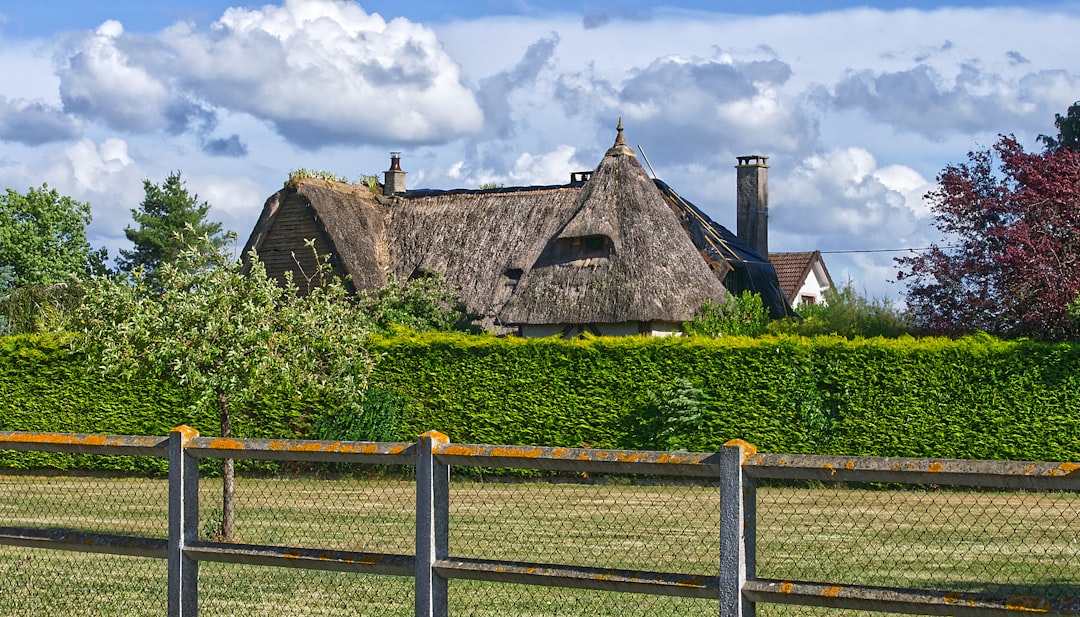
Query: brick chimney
x=752, y=186
x=394, y=178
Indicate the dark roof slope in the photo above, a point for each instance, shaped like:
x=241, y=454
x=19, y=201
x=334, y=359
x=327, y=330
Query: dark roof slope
x=747, y=269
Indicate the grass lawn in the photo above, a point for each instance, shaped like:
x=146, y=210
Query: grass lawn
x=936, y=539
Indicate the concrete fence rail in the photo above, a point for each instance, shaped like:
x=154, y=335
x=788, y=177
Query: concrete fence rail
x=737, y=472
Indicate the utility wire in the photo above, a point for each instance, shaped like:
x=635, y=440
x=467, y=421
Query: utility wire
x=924, y=248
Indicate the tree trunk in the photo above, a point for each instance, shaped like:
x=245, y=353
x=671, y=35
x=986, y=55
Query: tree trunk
x=228, y=474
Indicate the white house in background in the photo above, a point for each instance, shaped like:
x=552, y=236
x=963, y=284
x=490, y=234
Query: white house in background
x=803, y=277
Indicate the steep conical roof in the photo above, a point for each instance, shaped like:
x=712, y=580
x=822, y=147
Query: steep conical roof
x=622, y=256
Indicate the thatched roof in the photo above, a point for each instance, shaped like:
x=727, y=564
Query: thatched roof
x=617, y=248
x=648, y=272
x=346, y=221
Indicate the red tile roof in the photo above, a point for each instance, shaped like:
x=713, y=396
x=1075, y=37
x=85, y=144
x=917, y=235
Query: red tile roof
x=792, y=269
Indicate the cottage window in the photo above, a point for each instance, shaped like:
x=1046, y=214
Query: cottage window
x=584, y=251
x=512, y=276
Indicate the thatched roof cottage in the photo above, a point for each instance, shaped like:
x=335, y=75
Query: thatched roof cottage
x=612, y=252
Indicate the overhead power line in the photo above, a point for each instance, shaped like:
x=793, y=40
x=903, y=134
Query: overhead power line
x=924, y=248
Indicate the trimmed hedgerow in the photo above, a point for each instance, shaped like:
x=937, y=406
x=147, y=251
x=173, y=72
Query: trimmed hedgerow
x=976, y=397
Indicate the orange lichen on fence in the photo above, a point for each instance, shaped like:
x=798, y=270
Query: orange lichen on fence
x=748, y=449
x=1028, y=604
x=226, y=444
x=56, y=438
x=1066, y=469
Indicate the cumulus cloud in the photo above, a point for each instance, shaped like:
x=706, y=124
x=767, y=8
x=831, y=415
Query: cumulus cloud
x=842, y=200
x=35, y=122
x=99, y=79
x=845, y=200
x=528, y=169
x=922, y=101
x=731, y=107
x=495, y=91
x=320, y=71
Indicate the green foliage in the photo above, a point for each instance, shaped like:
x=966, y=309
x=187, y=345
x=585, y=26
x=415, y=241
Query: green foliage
x=973, y=398
x=742, y=315
x=167, y=216
x=371, y=181
x=217, y=332
x=976, y=397
x=378, y=419
x=38, y=308
x=846, y=313
x=301, y=174
x=43, y=238
x=226, y=336
x=7, y=277
x=46, y=386
x=421, y=304
x=670, y=419
x=1068, y=127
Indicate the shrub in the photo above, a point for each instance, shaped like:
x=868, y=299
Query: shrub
x=846, y=313
x=742, y=315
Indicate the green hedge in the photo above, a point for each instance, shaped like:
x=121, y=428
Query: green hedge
x=973, y=398
x=46, y=387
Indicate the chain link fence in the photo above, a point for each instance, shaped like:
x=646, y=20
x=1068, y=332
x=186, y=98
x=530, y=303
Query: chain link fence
x=39, y=581
x=353, y=509
x=530, y=509
x=1011, y=544
x=618, y=522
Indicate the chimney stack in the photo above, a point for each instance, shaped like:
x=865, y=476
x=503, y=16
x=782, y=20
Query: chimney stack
x=752, y=186
x=394, y=178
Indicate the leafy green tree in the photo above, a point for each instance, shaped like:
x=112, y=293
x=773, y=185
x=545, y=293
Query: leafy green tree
x=742, y=315
x=230, y=338
x=43, y=237
x=1068, y=127
x=421, y=304
x=166, y=213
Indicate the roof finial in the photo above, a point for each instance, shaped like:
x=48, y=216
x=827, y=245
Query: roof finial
x=620, y=147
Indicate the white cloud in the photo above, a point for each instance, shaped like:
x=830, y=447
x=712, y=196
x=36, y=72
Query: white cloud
x=100, y=79
x=552, y=167
x=845, y=201
x=547, y=168
x=320, y=71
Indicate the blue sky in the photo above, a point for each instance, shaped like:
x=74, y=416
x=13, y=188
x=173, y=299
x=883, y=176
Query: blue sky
x=858, y=106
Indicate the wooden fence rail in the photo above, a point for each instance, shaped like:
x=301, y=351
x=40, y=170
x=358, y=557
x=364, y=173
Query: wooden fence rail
x=737, y=468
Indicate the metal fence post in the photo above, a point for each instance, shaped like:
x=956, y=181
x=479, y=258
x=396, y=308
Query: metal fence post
x=737, y=514
x=432, y=526
x=183, y=524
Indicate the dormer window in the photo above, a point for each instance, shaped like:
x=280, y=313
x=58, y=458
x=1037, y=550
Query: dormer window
x=584, y=251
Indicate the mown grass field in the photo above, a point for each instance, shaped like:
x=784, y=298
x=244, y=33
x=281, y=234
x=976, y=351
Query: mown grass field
x=1007, y=543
